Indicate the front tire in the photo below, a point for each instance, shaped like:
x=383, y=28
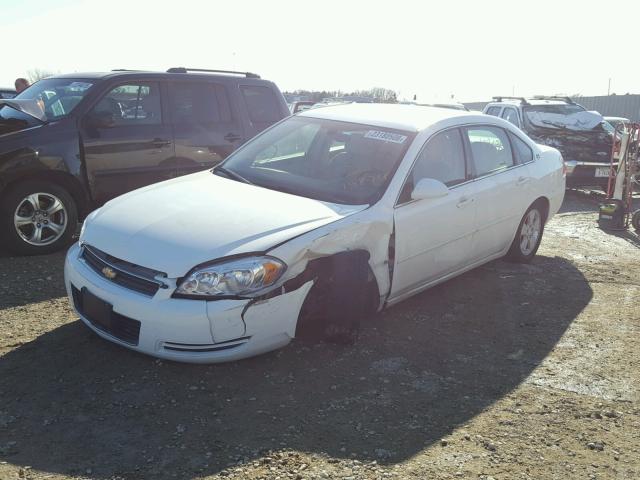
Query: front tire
x=38, y=218
x=529, y=235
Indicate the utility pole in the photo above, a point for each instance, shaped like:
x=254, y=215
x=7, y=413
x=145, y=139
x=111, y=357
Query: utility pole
x=609, y=87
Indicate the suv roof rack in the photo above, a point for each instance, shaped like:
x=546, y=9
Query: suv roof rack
x=555, y=97
x=522, y=99
x=185, y=70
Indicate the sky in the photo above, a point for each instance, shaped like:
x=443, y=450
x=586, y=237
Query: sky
x=463, y=50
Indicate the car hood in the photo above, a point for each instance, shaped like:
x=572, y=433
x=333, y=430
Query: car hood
x=175, y=225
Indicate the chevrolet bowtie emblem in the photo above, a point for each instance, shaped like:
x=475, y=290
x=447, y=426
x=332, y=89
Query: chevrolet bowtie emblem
x=108, y=272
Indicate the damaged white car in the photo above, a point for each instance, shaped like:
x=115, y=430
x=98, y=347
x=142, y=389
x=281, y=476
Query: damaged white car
x=326, y=217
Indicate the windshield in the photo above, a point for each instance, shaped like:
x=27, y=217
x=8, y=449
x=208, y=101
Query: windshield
x=327, y=160
x=56, y=96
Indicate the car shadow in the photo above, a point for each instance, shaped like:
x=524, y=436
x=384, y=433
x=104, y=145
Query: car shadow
x=74, y=402
x=628, y=235
x=581, y=201
x=25, y=280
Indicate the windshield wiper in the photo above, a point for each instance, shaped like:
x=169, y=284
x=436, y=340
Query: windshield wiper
x=232, y=175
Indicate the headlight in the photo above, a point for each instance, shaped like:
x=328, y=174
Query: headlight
x=242, y=276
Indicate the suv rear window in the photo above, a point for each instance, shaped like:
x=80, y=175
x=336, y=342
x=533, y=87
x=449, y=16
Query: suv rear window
x=262, y=104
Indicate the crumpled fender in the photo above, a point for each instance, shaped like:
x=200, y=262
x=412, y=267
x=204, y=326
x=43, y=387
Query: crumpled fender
x=358, y=232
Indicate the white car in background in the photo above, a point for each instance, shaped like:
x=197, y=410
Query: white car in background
x=328, y=215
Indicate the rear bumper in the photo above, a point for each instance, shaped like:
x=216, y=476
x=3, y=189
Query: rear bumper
x=587, y=173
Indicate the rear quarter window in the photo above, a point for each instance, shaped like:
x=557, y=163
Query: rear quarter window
x=262, y=104
x=522, y=152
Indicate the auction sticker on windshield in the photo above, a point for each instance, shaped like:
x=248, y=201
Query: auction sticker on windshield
x=385, y=136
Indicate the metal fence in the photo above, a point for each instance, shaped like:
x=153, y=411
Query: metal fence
x=627, y=106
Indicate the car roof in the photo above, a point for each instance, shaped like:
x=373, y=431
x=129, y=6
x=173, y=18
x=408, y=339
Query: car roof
x=401, y=117
x=151, y=74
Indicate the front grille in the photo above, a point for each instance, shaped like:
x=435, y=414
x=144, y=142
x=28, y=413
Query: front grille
x=205, y=347
x=123, y=328
x=128, y=275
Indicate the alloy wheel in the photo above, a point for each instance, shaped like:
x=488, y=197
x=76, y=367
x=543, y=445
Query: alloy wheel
x=40, y=219
x=530, y=232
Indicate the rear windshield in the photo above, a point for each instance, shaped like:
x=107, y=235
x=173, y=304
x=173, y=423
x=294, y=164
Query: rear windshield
x=549, y=116
x=563, y=109
x=57, y=96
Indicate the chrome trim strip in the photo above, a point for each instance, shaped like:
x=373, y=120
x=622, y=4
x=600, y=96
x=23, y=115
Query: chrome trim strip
x=119, y=269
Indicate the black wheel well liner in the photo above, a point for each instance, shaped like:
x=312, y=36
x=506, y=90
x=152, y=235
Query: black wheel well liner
x=321, y=268
x=545, y=204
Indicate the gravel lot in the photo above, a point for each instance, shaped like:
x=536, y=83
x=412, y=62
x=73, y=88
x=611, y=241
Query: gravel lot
x=506, y=372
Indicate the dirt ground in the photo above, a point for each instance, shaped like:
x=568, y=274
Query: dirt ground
x=507, y=372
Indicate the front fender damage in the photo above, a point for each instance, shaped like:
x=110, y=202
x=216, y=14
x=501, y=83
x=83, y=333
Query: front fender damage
x=372, y=237
x=277, y=312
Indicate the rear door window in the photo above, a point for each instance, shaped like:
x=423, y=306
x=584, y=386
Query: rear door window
x=490, y=149
x=198, y=103
x=262, y=104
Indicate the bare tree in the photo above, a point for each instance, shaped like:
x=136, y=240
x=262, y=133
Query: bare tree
x=38, y=74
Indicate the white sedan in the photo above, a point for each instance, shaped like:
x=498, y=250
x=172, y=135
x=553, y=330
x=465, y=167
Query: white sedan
x=326, y=217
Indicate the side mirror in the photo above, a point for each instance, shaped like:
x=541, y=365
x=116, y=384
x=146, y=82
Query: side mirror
x=429, y=188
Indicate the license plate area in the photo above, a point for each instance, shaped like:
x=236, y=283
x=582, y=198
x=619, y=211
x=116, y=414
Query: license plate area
x=96, y=310
x=602, y=172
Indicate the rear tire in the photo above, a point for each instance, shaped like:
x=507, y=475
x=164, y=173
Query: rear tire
x=529, y=235
x=38, y=217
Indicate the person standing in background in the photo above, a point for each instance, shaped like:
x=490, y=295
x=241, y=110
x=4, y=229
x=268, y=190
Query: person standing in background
x=21, y=84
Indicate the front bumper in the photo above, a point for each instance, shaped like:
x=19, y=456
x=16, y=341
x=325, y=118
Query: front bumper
x=185, y=330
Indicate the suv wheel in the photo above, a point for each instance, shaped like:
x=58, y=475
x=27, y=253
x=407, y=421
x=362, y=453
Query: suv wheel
x=39, y=217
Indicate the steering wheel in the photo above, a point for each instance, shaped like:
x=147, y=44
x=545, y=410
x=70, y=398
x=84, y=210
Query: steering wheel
x=364, y=178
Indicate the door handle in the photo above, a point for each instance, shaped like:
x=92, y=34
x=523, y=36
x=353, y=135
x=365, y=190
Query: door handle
x=232, y=137
x=522, y=181
x=159, y=143
x=464, y=201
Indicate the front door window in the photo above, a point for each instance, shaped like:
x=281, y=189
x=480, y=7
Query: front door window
x=130, y=105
